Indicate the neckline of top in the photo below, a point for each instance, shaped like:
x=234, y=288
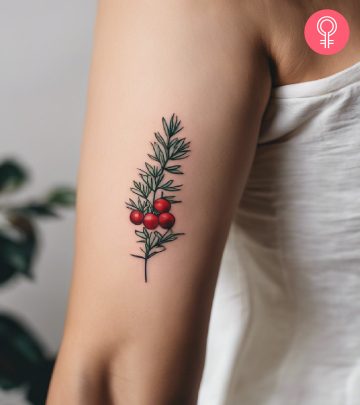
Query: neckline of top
x=319, y=87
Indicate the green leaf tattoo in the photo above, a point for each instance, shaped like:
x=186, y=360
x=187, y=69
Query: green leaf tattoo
x=154, y=191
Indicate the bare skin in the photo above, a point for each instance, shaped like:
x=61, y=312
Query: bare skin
x=213, y=63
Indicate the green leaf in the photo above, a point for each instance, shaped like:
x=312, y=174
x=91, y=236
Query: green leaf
x=168, y=183
x=38, y=384
x=20, y=353
x=150, y=169
x=179, y=149
x=36, y=209
x=159, y=180
x=140, y=206
x=173, y=201
x=173, y=142
x=158, y=234
x=160, y=156
x=148, y=180
x=132, y=205
x=174, y=169
x=140, y=234
x=162, y=159
x=156, y=250
x=178, y=233
x=165, y=126
x=140, y=257
x=141, y=190
x=179, y=144
x=12, y=176
x=174, y=125
x=137, y=192
x=154, y=239
x=153, y=157
x=171, y=198
x=16, y=252
x=171, y=237
x=167, y=187
x=62, y=196
x=147, y=209
x=179, y=156
x=161, y=140
x=12, y=256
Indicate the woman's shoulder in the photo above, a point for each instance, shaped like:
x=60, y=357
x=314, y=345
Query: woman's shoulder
x=282, y=23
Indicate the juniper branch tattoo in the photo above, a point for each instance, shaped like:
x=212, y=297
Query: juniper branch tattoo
x=156, y=193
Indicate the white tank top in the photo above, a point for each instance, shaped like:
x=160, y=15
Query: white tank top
x=285, y=322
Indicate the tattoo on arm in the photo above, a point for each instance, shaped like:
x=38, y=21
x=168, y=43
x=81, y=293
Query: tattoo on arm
x=155, y=191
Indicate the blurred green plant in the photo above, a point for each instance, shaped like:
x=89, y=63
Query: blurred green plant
x=24, y=362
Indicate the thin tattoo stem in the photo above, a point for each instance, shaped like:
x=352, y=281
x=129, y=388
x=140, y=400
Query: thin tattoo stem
x=145, y=269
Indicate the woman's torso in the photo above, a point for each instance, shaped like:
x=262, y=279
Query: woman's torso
x=285, y=324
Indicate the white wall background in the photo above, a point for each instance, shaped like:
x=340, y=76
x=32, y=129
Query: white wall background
x=45, y=50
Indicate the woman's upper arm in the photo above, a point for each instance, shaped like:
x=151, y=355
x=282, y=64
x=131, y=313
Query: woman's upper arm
x=203, y=62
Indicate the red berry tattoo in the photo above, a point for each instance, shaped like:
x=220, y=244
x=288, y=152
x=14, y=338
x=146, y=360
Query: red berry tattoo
x=162, y=205
x=166, y=220
x=155, y=192
x=136, y=217
x=151, y=221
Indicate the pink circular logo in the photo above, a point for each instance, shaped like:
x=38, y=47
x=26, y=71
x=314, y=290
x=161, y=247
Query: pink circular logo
x=327, y=32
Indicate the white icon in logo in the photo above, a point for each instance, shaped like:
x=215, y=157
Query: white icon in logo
x=326, y=33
